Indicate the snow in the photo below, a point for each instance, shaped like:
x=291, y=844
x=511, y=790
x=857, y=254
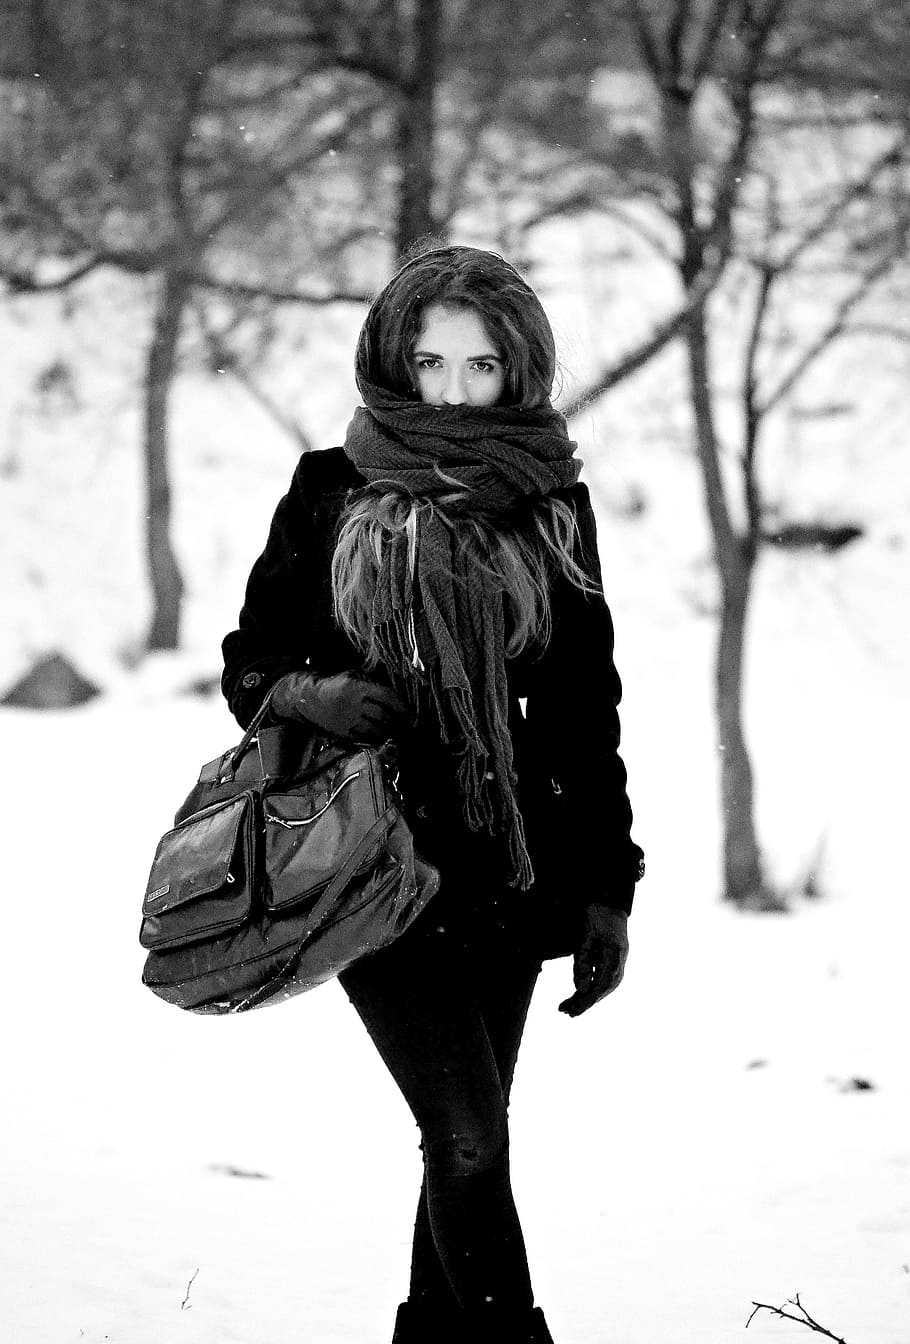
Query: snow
x=691, y=1145
x=695, y=1143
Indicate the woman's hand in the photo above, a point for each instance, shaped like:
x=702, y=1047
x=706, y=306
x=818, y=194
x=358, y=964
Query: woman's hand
x=600, y=958
x=345, y=704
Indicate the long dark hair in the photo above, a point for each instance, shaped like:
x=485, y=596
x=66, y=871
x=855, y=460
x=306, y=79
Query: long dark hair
x=460, y=277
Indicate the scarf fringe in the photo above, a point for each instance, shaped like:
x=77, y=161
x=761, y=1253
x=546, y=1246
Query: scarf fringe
x=522, y=870
x=458, y=462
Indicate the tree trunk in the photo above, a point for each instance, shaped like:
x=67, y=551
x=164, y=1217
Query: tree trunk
x=164, y=572
x=416, y=125
x=744, y=883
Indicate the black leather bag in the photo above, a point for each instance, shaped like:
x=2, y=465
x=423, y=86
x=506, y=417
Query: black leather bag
x=289, y=861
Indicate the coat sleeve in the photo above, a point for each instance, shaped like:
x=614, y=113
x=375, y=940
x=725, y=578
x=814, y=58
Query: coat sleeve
x=572, y=713
x=273, y=634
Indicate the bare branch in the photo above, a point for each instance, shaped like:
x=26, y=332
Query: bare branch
x=752, y=415
x=853, y=191
x=316, y=42
x=222, y=356
x=832, y=332
x=639, y=355
x=361, y=61
x=710, y=33
x=243, y=102
x=830, y=119
x=647, y=40
x=881, y=330
x=242, y=290
x=267, y=177
x=586, y=199
x=20, y=283
x=768, y=274
x=186, y=1304
x=743, y=100
x=803, y=1319
x=374, y=68
x=705, y=252
x=266, y=45
x=50, y=210
x=179, y=140
x=676, y=36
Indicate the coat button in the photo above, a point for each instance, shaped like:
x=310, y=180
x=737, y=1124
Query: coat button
x=250, y=680
x=421, y=812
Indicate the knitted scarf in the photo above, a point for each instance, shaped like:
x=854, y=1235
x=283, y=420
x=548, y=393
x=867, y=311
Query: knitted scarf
x=437, y=614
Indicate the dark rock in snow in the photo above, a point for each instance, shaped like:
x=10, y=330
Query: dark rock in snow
x=854, y=1084
x=52, y=683
x=242, y=1173
x=813, y=536
x=857, y=1085
x=204, y=686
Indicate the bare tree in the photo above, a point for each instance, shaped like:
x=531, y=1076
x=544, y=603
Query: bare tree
x=744, y=881
x=746, y=51
x=151, y=143
x=397, y=47
x=169, y=142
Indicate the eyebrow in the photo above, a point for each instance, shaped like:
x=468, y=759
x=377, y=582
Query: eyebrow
x=430, y=354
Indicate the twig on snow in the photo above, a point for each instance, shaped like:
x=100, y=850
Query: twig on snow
x=803, y=1319
x=186, y=1304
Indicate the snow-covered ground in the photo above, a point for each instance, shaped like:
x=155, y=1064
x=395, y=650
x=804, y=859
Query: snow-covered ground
x=695, y=1143
x=731, y=1126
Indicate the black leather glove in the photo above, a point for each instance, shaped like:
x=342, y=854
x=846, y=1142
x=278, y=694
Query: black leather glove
x=346, y=704
x=600, y=958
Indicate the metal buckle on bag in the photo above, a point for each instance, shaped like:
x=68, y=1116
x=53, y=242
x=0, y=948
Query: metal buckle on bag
x=226, y=768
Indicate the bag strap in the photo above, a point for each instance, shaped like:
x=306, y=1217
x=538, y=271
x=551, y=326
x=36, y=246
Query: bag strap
x=324, y=906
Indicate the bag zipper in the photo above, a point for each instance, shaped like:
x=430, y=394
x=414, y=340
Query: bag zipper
x=308, y=821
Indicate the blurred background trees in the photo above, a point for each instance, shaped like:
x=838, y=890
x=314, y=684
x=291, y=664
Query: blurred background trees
x=244, y=156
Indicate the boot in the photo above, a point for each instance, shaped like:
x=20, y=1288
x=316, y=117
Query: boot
x=539, y=1331
x=416, y=1323
x=528, y=1328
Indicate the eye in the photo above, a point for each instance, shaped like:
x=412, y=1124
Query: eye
x=483, y=366
x=427, y=362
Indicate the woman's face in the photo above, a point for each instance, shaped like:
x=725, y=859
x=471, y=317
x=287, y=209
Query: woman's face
x=455, y=362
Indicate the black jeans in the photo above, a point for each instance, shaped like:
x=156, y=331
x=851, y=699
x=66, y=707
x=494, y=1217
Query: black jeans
x=446, y=1011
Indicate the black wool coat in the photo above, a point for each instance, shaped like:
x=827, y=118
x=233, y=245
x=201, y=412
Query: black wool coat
x=562, y=714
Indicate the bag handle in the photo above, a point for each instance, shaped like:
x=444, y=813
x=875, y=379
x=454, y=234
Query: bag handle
x=243, y=745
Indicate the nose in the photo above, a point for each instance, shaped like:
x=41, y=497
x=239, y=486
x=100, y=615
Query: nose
x=453, y=391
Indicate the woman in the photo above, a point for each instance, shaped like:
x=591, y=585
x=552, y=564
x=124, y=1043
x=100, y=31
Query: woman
x=436, y=580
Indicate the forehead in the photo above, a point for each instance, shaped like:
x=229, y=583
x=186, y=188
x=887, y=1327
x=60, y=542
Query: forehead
x=456, y=327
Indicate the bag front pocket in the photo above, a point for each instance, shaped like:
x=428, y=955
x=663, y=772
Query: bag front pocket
x=200, y=884
x=309, y=835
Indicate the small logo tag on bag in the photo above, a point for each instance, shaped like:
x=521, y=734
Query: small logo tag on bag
x=159, y=891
